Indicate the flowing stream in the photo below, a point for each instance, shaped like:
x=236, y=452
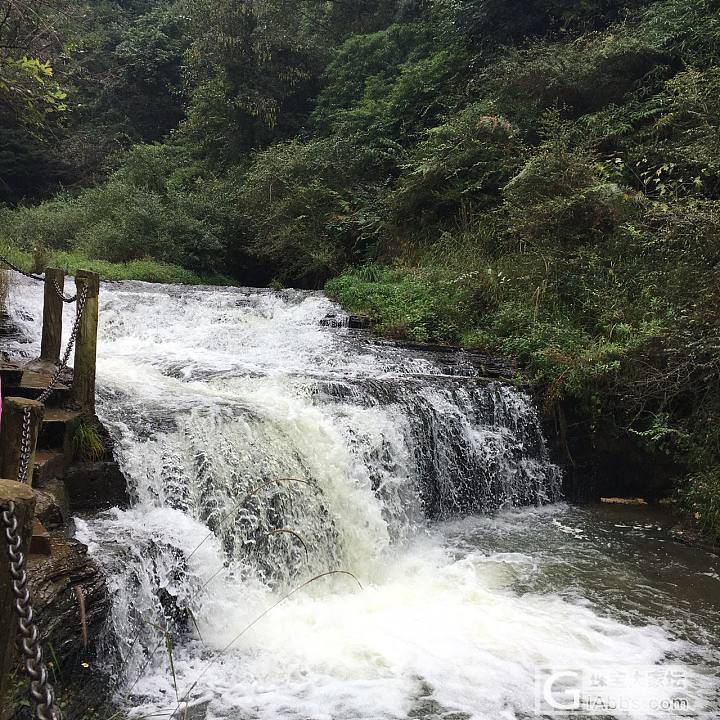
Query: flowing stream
x=263, y=450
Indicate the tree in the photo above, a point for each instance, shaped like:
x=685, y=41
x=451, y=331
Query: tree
x=28, y=40
x=31, y=99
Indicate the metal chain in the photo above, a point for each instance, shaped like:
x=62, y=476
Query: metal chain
x=65, y=298
x=20, y=270
x=25, y=449
x=41, y=690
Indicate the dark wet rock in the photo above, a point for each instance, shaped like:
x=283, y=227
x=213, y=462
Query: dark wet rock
x=197, y=711
x=96, y=486
x=425, y=707
x=600, y=459
x=66, y=586
x=52, y=507
x=10, y=329
x=175, y=613
x=358, y=322
x=355, y=322
x=456, y=361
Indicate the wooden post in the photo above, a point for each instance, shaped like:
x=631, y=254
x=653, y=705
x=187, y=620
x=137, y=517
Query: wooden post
x=86, y=344
x=11, y=434
x=24, y=499
x=52, y=315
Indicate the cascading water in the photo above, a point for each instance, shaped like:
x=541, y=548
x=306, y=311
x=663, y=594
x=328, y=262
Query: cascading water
x=263, y=450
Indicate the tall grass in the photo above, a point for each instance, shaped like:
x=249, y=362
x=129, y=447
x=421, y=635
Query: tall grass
x=87, y=442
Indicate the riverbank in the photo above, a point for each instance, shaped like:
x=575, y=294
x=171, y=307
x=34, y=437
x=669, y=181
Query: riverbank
x=148, y=269
x=633, y=403
x=415, y=466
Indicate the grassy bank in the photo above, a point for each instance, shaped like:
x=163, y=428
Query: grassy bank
x=146, y=269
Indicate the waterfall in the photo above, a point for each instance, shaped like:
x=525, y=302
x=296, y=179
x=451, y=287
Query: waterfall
x=262, y=449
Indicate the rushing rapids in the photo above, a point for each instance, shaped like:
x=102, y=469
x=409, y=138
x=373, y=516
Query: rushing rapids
x=263, y=450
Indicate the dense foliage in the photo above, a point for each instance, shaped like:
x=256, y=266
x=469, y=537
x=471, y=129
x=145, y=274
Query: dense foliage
x=536, y=178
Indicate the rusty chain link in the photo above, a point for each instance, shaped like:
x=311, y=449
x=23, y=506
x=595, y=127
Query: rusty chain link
x=25, y=449
x=41, y=690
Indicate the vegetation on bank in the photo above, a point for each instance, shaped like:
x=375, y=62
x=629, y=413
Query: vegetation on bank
x=539, y=179
x=146, y=269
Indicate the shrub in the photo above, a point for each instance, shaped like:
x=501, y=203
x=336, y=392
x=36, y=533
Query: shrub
x=422, y=305
x=466, y=160
x=560, y=197
x=699, y=498
x=365, y=66
x=579, y=77
x=308, y=207
x=388, y=86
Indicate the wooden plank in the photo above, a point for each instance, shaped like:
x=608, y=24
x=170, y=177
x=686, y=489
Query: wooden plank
x=10, y=373
x=32, y=380
x=40, y=540
x=83, y=391
x=60, y=415
x=52, y=315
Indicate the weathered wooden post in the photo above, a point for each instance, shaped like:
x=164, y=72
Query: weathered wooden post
x=11, y=435
x=83, y=392
x=24, y=500
x=52, y=315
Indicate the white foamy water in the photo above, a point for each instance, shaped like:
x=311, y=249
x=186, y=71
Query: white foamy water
x=263, y=450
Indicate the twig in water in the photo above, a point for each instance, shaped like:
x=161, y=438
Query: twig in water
x=257, y=620
x=80, y=595
x=294, y=534
x=194, y=621
x=169, y=650
x=237, y=505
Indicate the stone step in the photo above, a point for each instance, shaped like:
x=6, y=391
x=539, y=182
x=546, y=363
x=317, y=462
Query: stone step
x=33, y=383
x=56, y=426
x=10, y=373
x=40, y=540
x=49, y=464
x=52, y=506
x=95, y=486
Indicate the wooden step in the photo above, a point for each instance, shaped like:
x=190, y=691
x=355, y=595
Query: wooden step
x=60, y=415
